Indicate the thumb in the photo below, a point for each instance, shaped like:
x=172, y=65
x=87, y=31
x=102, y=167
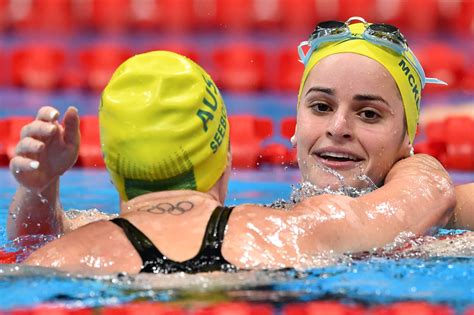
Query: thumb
x=71, y=126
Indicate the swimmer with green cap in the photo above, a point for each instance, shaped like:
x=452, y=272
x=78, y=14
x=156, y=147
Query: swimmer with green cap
x=165, y=138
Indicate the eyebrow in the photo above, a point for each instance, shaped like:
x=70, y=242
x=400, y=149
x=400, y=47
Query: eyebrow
x=358, y=97
x=321, y=89
x=370, y=97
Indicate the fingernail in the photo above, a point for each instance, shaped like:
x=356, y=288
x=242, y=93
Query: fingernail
x=34, y=165
x=53, y=114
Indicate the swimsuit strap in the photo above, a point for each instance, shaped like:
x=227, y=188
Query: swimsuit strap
x=209, y=257
x=150, y=255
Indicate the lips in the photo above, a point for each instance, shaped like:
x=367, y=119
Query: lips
x=337, y=158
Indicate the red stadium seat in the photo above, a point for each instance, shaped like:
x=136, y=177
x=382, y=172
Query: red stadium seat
x=300, y=17
x=99, y=63
x=278, y=154
x=451, y=141
x=42, y=16
x=421, y=17
x=177, y=47
x=164, y=15
x=246, y=135
x=38, y=66
x=289, y=70
x=267, y=15
x=4, y=16
x=234, y=15
x=90, y=153
x=362, y=8
x=457, y=17
x=16, y=123
x=240, y=67
x=467, y=82
x=104, y=16
x=459, y=132
x=441, y=61
x=391, y=12
x=287, y=127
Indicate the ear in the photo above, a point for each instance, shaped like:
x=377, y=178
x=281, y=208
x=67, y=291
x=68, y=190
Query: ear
x=293, y=138
x=293, y=141
x=406, y=148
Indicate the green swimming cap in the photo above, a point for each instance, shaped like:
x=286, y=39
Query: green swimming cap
x=163, y=126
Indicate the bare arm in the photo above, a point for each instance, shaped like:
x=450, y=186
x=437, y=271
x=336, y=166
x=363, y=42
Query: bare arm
x=463, y=216
x=45, y=151
x=417, y=197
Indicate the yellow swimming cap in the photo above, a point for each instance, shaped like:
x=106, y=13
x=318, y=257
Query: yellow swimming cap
x=163, y=126
x=404, y=74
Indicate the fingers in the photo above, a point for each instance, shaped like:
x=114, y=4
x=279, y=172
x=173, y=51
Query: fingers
x=39, y=130
x=20, y=164
x=47, y=114
x=29, y=147
x=71, y=126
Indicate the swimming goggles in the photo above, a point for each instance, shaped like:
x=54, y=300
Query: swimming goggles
x=385, y=35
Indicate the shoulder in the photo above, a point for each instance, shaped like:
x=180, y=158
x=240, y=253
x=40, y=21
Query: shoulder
x=99, y=245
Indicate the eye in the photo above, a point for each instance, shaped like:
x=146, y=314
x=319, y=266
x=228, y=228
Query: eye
x=320, y=107
x=369, y=115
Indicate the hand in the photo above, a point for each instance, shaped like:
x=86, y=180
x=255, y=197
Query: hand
x=46, y=148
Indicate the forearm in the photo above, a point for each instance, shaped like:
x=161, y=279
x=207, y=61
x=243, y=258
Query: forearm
x=463, y=216
x=417, y=197
x=36, y=213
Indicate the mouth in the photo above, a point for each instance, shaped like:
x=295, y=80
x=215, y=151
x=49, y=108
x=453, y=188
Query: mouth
x=337, y=160
x=338, y=157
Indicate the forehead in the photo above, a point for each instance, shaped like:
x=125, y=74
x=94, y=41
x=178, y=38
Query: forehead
x=354, y=74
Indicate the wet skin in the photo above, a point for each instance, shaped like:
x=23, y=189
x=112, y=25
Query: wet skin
x=349, y=119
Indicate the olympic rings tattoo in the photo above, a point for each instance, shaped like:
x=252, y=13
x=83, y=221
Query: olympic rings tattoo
x=166, y=207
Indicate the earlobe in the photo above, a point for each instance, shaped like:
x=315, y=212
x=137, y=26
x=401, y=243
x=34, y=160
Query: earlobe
x=293, y=141
x=412, y=149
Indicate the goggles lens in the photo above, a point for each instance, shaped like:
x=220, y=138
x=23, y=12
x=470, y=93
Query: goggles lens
x=328, y=28
x=387, y=32
x=385, y=35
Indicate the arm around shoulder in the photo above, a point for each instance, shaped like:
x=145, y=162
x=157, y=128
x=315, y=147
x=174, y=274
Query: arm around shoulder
x=417, y=197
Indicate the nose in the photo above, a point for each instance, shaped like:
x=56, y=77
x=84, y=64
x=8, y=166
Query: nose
x=339, y=127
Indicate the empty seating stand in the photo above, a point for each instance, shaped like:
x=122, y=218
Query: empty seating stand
x=240, y=67
x=247, y=133
x=38, y=66
x=99, y=63
x=451, y=141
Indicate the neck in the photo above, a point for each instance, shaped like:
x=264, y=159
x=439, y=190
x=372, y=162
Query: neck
x=166, y=196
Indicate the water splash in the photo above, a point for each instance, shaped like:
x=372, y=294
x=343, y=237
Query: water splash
x=307, y=189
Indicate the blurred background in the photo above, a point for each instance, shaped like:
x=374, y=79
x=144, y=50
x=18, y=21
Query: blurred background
x=63, y=52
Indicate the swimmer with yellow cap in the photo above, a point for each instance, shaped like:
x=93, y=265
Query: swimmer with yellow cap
x=166, y=130
x=359, y=96
x=165, y=141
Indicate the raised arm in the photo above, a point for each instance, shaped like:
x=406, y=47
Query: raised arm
x=418, y=196
x=45, y=151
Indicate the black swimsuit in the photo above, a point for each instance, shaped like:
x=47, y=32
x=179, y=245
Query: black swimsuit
x=209, y=257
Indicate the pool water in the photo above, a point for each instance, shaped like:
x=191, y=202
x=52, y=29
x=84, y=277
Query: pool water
x=369, y=280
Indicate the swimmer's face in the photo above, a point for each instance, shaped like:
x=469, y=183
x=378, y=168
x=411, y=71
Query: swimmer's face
x=350, y=119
